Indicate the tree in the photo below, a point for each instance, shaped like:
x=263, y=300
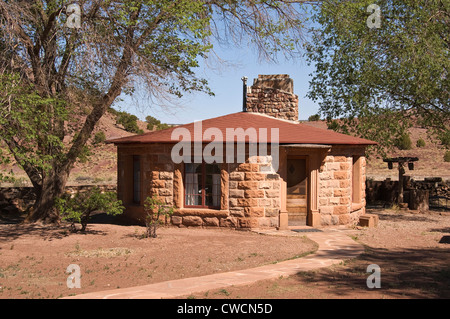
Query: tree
x=62, y=67
x=380, y=79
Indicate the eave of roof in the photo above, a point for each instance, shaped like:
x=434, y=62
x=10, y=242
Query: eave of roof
x=288, y=132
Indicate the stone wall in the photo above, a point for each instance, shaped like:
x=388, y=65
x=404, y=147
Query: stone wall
x=337, y=205
x=250, y=191
x=273, y=95
x=255, y=197
x=157, y=176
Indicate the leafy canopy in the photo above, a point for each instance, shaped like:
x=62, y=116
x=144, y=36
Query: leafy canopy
x=378, y=81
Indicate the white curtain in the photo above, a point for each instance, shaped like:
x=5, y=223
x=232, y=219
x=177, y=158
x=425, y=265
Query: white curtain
x=191, y=188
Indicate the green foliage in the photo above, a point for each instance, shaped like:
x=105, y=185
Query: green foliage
x=380, y=80
x=333, y=125
x=444, y=137
x=314, y=118
x=99, y=137
x=157, y=213
x=153, y=123
x=33, y=120
x=78, y=209
x=404, y=142
x=129, y=122
x=420, y=142
x=113, y=111
x=447, y=156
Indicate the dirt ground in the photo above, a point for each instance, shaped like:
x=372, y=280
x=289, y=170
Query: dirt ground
x=34, y=259
x=412, y=251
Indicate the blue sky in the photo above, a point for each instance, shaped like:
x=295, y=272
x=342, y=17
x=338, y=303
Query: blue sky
x=226, y=83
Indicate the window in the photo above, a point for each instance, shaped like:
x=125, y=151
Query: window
x=202, y=185
x=136, y=179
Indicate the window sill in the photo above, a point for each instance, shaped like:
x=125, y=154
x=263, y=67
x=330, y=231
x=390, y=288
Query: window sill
x=202, y=212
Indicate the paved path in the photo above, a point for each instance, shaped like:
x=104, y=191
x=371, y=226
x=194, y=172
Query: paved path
x=334, y=246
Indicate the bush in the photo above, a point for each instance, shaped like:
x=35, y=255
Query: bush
x=314, y=118
x=99, y=137
x=447, y=156
x=333, y=125
x=78, y=209
x=445, y=138
x=420, y=142
x=403, y=142
x=129, y=122
x=153, y=123
x=155, y=210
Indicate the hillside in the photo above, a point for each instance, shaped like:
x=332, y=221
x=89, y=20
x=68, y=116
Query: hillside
x=101, y=165
x=431, y=158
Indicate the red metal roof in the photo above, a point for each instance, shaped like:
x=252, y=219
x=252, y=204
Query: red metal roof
x=288, y=132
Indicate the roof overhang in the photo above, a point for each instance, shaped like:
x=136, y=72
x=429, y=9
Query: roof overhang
x=323, y=146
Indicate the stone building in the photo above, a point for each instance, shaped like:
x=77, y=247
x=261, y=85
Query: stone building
x=257, y=168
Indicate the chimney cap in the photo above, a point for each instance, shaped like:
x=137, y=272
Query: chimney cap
x=280, y=82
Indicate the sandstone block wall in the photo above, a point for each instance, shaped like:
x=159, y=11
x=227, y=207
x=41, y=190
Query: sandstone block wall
x=250, y=192
x=254, y=194
x=337, y=202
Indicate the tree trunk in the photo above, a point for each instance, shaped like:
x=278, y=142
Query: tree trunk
x=43, y=210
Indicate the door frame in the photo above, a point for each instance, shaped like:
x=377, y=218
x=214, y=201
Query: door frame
x=308, y=188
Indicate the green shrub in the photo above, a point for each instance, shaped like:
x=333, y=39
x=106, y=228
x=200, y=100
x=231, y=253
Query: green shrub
x=420, y=142
x=155, y=210
x=153, y=123
x=113, y=111
x=83, y=157
x=333, y=125
x=78, y=209
x=403, y=142
x=129, y=122
x=99, y=137
x=445, y=138
x=314, y=118
x=447, y=156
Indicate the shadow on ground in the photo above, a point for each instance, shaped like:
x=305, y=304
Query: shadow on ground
x=406, y=273
x=12, y=227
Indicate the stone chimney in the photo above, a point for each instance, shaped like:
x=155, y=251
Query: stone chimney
x=274, y=96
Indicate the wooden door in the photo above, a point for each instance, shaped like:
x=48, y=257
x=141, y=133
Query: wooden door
x=297, y=191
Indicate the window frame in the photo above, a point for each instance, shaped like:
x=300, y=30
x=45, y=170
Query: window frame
x=136, y=186
x=203, y=193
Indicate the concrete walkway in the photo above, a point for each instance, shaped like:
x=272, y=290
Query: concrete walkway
x=335, y=245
